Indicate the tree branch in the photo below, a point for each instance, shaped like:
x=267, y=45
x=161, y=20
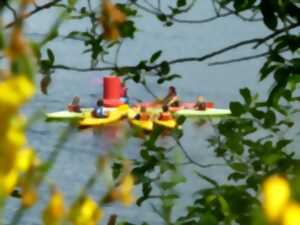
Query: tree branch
x=157, y=11
x=238, y=59
x=190, y=159
x=188, y=59
x=263, y=40
x=36, y=10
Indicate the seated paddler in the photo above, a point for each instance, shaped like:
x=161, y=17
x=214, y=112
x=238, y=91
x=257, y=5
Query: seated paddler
x=171, y=99
x=143, y=115
x=75, y=105
x=165, y=114
x=99, y=111
x=200, y=103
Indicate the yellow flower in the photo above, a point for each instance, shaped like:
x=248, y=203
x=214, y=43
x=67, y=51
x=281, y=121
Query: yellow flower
x=18, y=45
x=291, y=214
x=26, y=159
x=85, y=212
x=111, y=18
x=276, y=194
x=54, y=212
x=123, y=192
x=8, y=182
x=14, y=92
x=29, y=195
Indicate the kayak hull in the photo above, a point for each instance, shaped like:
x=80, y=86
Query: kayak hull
x=65, y=115
x=112, y=117
x=142, y=124
x=170, y=124
x=207, y=112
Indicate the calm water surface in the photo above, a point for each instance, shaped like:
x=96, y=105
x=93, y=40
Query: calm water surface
x=219, y=84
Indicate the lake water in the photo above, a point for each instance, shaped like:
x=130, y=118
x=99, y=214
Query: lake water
x=219, y=84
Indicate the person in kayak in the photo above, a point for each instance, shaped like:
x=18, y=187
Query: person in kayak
x=171, y=99
x=200, y=103
x=75, y=105
x=165, y=114
x=124, y=96
x=98, y=111
x=143, y=115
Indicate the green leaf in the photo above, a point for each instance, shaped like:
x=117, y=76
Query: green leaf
x=44, y=84
x=155, y=56
x=162, y=17
x=164, y=68
x=128, y=29
x=116, y=170
x=224, y=206
x=267, y=10
x=283, y=143
x=237, y=108
x=270, y=119
x=147, y=188
x=257, y=113
x=271, y=159
x=181, y=3
x=125, y=8
x=50, y=55
x=2, y=40
x=206, y=178
x=266, y=70
x=241, y=167
x=71, y=2
x=208, y=219
x=245, y=92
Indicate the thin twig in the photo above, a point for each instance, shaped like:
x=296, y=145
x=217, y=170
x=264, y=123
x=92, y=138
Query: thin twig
x=290, y=27
x=36, y=10
x=192, y=160
x=14, y=12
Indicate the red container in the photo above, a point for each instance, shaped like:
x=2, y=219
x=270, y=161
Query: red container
x=111, y=91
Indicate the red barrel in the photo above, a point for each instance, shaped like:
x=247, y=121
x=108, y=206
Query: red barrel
x=111, y=91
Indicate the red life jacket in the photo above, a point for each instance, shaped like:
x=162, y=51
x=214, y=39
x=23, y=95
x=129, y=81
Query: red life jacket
x=73, y=108
x=200, y=106
x=165, y=116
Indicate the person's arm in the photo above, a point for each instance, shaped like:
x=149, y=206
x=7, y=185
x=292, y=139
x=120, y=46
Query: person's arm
x=173, y=100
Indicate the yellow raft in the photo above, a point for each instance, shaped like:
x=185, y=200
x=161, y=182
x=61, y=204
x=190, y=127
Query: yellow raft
x=113, y=116
x=142, y=124
x=170, y=124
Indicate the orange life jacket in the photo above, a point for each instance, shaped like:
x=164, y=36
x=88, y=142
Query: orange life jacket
x=144, y=116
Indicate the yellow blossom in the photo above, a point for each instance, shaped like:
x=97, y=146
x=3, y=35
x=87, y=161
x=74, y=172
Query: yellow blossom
x=85, y=212
x=291, y=214
x=14, y=92
x=8, y=182
x=111, y=18
x=25, y=2
x=26, y=159
x=29, y=194
x=18, y=45
x=54, y=212
x=123, y=192
x=276, y=194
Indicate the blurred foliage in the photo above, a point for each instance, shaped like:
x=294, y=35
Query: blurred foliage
x=256, y=143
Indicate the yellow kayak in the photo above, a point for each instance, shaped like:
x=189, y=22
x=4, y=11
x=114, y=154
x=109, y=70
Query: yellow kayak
x=113, y=116
x=171, y=124
x=143, y=124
